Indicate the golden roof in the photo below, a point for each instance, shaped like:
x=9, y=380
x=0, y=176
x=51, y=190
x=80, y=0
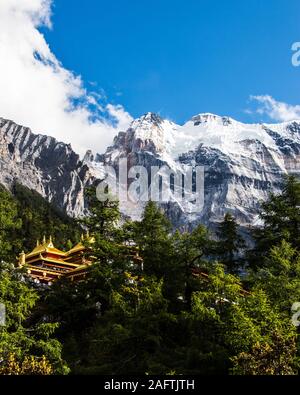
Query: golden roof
x=78, y=247
x=46, y=246
x=78, y=269
x=61, y=263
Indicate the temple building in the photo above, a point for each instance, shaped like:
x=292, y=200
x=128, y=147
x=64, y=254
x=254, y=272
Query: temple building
x=46, y=263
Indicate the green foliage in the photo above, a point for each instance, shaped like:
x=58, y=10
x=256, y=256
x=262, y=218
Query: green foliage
x=230, y=244
x=101, y=224
x=130, y=338
x=281, y=218
x=153, y=238
x=38, y=218
x=19, y=341
x=280, y=277
x=159, y=318
x=191, y=251
x=155, y=301
x=276, y=357
x=237, y=322
x=9, y=224
x=103, y=216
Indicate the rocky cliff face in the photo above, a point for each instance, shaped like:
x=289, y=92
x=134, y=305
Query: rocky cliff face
x=41, y=163
x=243, y=163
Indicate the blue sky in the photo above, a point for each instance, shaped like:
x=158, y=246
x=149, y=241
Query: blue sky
x=103, y=63
x=180, y=58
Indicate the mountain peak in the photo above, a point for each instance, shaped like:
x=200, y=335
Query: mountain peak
x=211, y=118
x=88, y=157
x=242, y=162
x=150, y=117
x=43, y=164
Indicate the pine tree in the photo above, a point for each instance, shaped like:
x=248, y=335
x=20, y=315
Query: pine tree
x=153, y=235
x=280, y=276
x=9, y=224
x=232, y=324
x=281, y=221
x=26, y=346
x=132, y=337
x=102, y=224
x=39, y=218
x=230, y=244
x=192, y=251
x=268, y=358
x=103, y=216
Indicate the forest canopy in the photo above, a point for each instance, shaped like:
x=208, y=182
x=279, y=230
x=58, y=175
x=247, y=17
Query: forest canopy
x=197, y=303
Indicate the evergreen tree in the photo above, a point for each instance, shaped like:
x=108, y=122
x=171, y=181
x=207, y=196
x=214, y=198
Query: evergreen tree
x=157, y=247
x=276, y=357
x=192, y=251
x=132, y=337
x=9, y=224
x=281, y=221
x=103, y=216
x=230, y=322
x=153, y=236
x=280, y=276
x=39, y=218
x=230, y=244
x=102, y=224
x=25, y=347
x=177, y=313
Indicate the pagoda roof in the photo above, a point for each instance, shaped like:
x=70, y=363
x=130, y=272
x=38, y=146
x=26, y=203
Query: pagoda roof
x=78, y=269
x=53, y=261
x=43, y=270
x=81, y=267
x=45, y=247
x=78, y=247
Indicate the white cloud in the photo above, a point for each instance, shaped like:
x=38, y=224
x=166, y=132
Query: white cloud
x=276, y=110
x=37, y=91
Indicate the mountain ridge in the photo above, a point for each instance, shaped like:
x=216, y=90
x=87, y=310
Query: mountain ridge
x=243, y=163
x=42, y=164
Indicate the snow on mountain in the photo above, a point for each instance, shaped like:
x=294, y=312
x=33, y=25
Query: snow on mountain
x=243, y=163
x=169, y=140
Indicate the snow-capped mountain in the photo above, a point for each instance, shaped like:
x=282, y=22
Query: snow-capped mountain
x=169, y=141
x=243, y=163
